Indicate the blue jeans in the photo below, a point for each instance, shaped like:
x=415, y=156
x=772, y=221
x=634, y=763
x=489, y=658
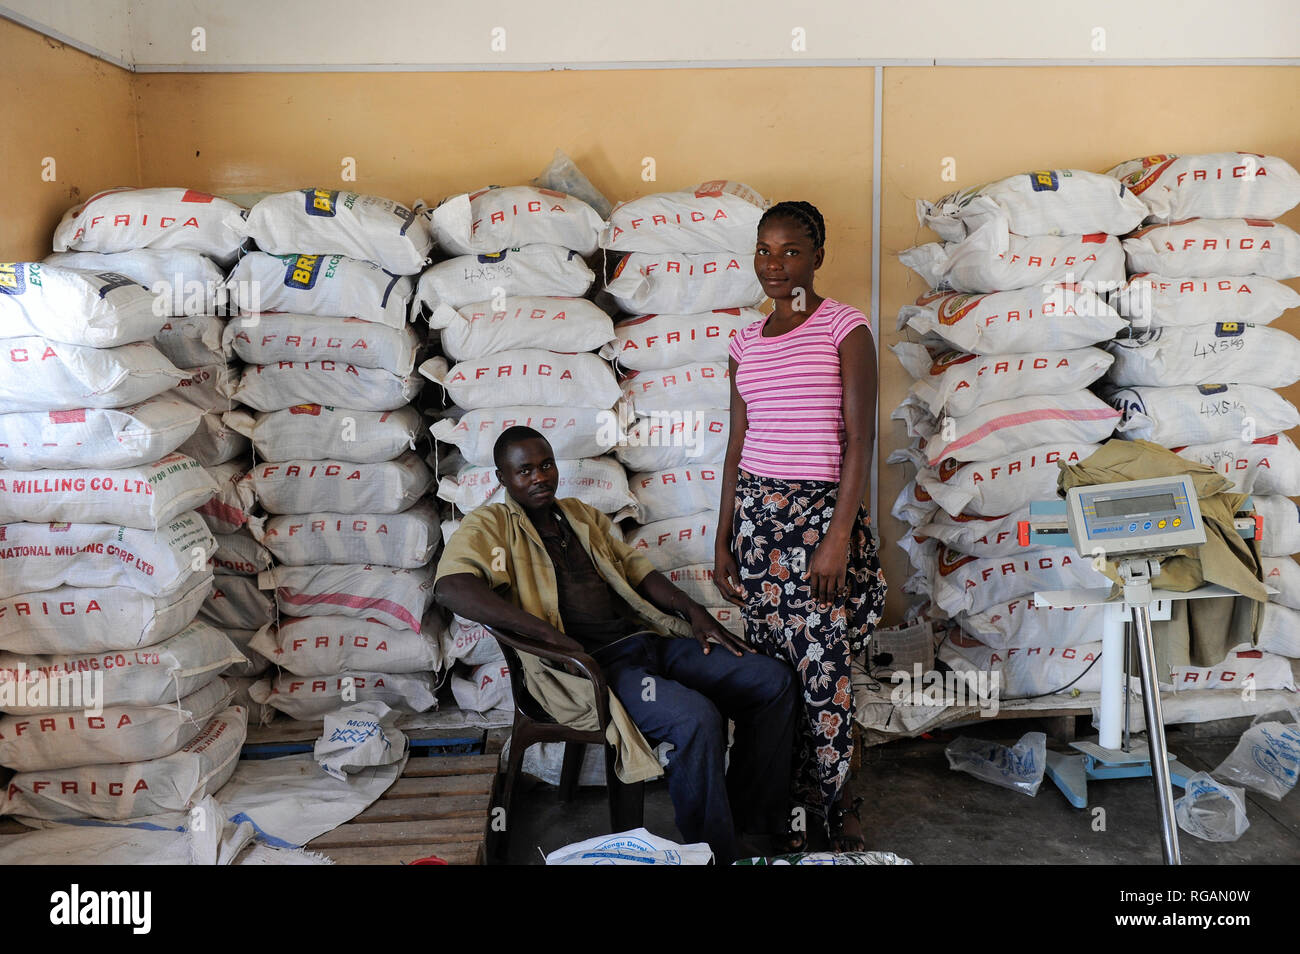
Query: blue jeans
x=674, y=693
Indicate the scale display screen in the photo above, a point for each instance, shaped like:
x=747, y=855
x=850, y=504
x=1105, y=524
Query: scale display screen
x=1123, y=506
x=1157, y=514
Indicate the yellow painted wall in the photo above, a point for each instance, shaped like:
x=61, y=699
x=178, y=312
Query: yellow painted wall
x=791, y=133
x=66, y=105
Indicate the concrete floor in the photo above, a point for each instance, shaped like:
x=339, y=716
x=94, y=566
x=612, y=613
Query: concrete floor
x=918, y=808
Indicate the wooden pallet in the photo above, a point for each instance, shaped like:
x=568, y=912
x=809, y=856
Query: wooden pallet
x=288, y=736
x=439, y=806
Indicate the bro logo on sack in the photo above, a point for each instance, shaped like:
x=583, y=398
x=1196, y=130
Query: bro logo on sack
x=302, y=271
x=320, y=202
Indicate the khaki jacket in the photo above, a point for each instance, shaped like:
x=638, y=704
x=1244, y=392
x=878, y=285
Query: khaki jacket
x=500, y=545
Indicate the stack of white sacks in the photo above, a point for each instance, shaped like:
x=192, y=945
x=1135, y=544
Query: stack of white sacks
x=1006, y=356
x=109, y=685
x=327, y=394
x=517, y=341
x=1197, y=373
x=688, y=285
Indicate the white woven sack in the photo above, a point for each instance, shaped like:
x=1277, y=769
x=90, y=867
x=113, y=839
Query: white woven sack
x=1202, y=354
x=236, y=603
x=957, y=383
x=1043, y=202
x=238, y=554
x=78, y=619
x=674, y=439
x=269, y=338
x=1019, y=622
x=598, y=481
x=1281, y=525
x=1001, y=485
x=234, y=502
x=696, y=581
x=1006, y=427
x=209, y=387
x=310, y=697
x=678, y=541
x=396, y=597
x=978, y=535
x=322, y=432
x=483, y=688
x=528, y=270
x=320, y=285
x=731, y=618
x=1030, y=671
x=321, y=645
x=677, y=491
x=470, y=643
x=41, y=556
x=1283, y=574
x=501, y=217
x=302, y=486
x=992, y=259
x=1246, y=667
x=145, y=497
x=973, y=584
x=191, y=341
x=285, y=384
x=1205, y=248
x=92, y=309
x=913, y=505
x=333, y=222
x=573, y=432
x=713, y=215
x=256, y=664
x=647, y=283
x=408, y=539
x=125, y=790
x=258, y=713
x=524, y=321
x=183, y=282
x=121, y=220
x=152, y=676
x=526, y=376
x=1279, y=628
x=118, y=734
x=688, y=386
x=1158, y=301
x=1043, y=316
x=1214, y=185
x=214, y=442
x=655, y=342
x=1201, y=414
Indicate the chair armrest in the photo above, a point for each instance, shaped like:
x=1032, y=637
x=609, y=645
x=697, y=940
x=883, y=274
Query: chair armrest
x=584, y=663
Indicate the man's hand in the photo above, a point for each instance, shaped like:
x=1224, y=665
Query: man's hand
x=704, y=627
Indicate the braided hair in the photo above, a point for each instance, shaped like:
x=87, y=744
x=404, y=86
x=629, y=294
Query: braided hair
x=805, y=213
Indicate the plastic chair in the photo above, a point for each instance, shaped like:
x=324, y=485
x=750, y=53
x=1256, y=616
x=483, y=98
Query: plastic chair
x=533, y=725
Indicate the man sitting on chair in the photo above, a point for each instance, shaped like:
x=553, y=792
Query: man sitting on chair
x=551, y=570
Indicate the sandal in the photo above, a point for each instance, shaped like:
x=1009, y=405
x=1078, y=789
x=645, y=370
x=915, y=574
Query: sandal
x=840, y=840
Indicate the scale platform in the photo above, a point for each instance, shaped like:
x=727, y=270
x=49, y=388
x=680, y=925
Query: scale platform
x=1071, y=773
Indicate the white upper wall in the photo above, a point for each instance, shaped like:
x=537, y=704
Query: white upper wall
x=100, y=27
x=270, y=34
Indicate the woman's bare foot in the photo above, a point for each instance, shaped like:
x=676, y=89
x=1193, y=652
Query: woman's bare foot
x=846, y=824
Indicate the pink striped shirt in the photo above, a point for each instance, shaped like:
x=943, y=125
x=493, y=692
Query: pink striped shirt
x=793, y=395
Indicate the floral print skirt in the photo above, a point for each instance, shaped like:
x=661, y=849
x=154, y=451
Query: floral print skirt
x=777, y=526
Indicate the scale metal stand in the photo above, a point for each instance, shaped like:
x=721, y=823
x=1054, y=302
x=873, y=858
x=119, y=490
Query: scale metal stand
x=1132, y=523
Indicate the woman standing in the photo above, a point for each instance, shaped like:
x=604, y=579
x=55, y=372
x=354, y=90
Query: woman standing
x=804, y=570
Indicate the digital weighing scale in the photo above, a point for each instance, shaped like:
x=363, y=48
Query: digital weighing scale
x=1132, y=524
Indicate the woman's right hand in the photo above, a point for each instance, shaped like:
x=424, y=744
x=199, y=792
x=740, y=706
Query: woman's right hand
x=726, y=577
